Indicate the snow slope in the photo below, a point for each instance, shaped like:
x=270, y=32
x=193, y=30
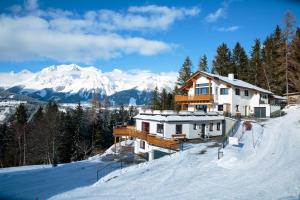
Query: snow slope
x=271, y=170
x=74, y=79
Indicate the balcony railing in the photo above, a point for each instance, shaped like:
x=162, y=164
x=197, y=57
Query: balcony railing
x=186, y=98
x=151, y=139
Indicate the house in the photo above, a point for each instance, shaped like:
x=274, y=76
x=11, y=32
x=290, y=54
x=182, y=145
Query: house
x=159, y=132
x=208, y=99
x=227, y=95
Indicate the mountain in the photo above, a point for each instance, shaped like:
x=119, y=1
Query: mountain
x=72, y=83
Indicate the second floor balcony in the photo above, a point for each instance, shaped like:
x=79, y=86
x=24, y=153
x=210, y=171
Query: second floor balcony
x=194, y=98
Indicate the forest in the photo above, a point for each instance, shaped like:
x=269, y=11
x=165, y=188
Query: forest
x=53, y=136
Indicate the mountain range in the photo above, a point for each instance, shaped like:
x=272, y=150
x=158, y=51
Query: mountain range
x=72, y=83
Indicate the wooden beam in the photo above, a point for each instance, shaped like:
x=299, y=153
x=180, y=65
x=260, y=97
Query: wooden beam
x=194, y=85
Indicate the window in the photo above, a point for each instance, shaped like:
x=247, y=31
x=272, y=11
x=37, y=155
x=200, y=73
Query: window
x=178, y=128
x=220, y=107
x=195, y=126
x=142, y=144
x=237, y=91
x=237, y=108
x=246, y=93
x=224, y=91
x=211, y=125
x=160, y=128
x=218, y=126
x=200, y=91
x=264, y=96
x=202, y=88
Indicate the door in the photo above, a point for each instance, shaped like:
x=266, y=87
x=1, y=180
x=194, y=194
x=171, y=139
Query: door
x=178, y=128
x=202, y=130
x=246, y=111
x=145, y=127
x=260, y=112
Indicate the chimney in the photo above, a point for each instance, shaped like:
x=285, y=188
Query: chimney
x=231, y=77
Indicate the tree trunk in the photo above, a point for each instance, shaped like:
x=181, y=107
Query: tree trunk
x=24, y=150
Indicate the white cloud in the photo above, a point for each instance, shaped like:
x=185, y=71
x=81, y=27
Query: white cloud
x=228, y=29
x=29, y=33
x=213, y=17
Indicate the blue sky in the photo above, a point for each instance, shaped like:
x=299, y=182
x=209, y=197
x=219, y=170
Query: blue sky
x=152, y=35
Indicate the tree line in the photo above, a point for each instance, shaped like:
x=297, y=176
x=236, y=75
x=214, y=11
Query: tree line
x=52, y=136
x=273, y=64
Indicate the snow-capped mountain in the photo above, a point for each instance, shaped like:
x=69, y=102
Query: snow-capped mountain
x=72, y=83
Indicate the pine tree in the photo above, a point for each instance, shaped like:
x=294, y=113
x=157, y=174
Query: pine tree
x=77, y=137
x=4, y=142
x=268, y=62
x=203, y=64
x=20, y=124
x=184, y=73
x=36, y=140
x=294, y=61
x=164, y=99
x=256, y=70
x=288, y=35
x=65, y=138
x=222, y=61
x=240, y=63
x=155, y=102
x=279, y=69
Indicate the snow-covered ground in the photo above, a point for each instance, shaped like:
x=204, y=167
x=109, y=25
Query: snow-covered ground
x=265, y=166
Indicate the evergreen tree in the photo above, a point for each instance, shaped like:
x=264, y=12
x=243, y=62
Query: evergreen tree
x=4, y=142
x=184, y=73
x=294, y=61
x=155, y=102
x=20, y=124
x=240, y=63
x=164, y=99
x=203, y=64
x=38, y=146
x=77, y=137
x=267, y=62
x=279, y=66
x=170, y=100
x=256, y=70
x=288, y=35
x=222, y=61
x=65, y=138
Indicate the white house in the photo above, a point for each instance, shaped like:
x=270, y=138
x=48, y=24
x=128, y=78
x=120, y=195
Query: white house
x=173, y=125
x=211, y=92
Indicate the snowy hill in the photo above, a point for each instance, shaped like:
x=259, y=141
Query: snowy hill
x=271, y=170
x=72, y=83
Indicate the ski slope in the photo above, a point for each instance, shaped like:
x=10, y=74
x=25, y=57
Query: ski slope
x=265, y=166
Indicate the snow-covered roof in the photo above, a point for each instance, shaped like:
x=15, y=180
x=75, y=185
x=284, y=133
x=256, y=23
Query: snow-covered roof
x=279, y=97
x=236, y=82
x=189, y=117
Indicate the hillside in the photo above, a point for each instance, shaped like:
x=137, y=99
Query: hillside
x=271, y=170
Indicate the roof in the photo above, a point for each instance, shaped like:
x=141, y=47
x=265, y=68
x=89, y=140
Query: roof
x=279, y=97
x=179, y=118
x=234, y=82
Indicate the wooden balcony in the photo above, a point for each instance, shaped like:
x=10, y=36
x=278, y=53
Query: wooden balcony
x=195, y=98
x=154, y=140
